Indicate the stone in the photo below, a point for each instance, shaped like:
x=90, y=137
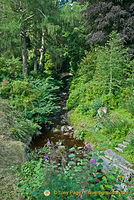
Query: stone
x=55, y=130
x=62, y=129
x=103, y=171
x=118, y=149
x=80, y=148
x=123, y=187
x=109, y=164
x=125, y=143
x=63, y=122
x=127, y=139
x=64, y=108
x=66, y=134
x=102, y=111
x=70, y=128
x=116, y=158
x=63, y=116
x=68, y=114
x=121, y=146
x=106, y=163
x=38, y=132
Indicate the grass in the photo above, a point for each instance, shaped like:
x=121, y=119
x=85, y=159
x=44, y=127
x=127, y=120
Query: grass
x=105, y=136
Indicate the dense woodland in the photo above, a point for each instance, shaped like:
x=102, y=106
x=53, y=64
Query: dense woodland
x=94, y=41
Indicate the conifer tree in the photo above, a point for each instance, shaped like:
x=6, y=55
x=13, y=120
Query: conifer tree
x=111, y=66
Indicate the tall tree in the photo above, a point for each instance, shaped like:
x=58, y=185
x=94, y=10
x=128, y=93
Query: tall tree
x=112, y=66
x=104, y=16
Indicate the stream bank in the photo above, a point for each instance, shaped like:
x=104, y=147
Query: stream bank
x=61, y=130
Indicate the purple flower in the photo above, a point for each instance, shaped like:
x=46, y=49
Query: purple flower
x=88, y=146
x=48, y=143
x=45, y=158
x=92, y=161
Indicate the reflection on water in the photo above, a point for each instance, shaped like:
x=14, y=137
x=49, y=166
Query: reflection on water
x=67, y=140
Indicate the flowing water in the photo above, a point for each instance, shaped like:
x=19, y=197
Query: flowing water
x=61, y=131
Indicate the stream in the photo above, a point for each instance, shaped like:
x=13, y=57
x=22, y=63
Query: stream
x=61, y=131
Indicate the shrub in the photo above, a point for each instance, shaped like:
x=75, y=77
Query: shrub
x=36, y=98
x=5, y=88
x=82, y=133
x=79, y=178
x=83, y=108
x=96, y=105
x=14, y=124
x=130, y=104
x=10, y=68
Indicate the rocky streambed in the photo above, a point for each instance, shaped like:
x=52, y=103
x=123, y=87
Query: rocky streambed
x=61, y=131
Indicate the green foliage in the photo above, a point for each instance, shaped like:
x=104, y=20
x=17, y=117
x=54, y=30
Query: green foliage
x=80, y=177
x=105, y=132
x=36, y=98
x=104, y=79
x=101, y=74
x=83, y=108
x=112, y=60
x=10, y=68
x=82, y=134
x=5, y=88
x=79, y=90
x=14, y=124
x=23, y=128
x=48, y=62
x=72, y=36
x=129, y=152
x=31, y=170
x=45, y=105
x=74, y=97
x=96, y=105
x=132, y=142
x=22, y=95
x=130, y=104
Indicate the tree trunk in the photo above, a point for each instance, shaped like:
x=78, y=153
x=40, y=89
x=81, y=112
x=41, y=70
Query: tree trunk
x=35, y=58
x=24, y=51
x=41, y=50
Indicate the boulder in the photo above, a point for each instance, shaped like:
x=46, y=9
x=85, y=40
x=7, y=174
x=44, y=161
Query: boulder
x=70, y=128
x=80, y=148
x=66, y=134
x=125, y=143
x=38, y=132
x=121, y=146
x=55, y=130
x=63, y=128
x=118, y=149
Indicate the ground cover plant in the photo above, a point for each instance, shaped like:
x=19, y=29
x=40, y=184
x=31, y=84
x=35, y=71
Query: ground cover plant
x=72, y=178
